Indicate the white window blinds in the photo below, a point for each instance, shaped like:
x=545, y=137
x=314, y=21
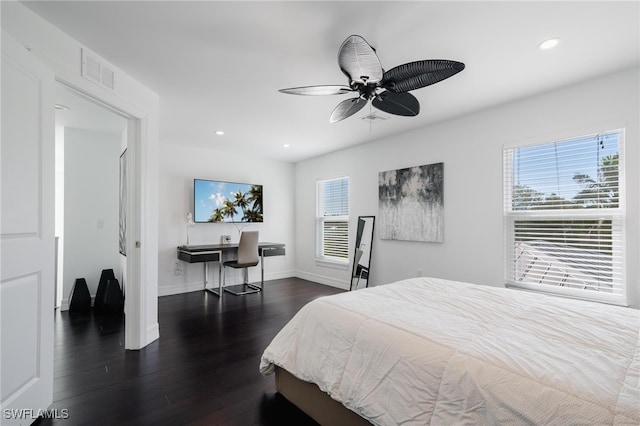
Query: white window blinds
x=563, y=208
x=332, y=224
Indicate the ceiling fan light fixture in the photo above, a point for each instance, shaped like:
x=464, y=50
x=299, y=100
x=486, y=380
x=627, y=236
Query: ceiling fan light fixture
x=549, y=43
x=373, y=117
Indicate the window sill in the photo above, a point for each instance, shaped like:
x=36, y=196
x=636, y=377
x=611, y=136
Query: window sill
x=335, y=264
x=609, y=299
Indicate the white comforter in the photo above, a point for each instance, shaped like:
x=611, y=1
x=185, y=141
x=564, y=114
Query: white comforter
x=431, y=351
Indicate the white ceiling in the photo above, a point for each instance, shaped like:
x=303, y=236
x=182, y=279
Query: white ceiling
x=218, y=65
x=83, y=113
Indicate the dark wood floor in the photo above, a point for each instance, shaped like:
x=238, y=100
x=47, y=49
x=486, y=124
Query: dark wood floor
x=202, y=371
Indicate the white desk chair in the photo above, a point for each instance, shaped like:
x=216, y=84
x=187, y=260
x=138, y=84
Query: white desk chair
x=247, y=257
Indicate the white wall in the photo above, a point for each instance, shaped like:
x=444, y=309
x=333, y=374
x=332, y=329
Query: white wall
x=179, y=165
x=91, y=208
x=471, y=149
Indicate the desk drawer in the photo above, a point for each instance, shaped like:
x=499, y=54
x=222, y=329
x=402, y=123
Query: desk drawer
x=273, y=251
x=204, y=256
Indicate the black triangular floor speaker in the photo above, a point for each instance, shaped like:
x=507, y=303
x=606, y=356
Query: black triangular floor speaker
x=106, y=275
x=113, y=299
x=80, y=299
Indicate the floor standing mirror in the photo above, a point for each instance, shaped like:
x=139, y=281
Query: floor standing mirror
x=362, y=253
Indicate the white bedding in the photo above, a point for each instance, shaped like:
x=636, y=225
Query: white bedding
x=431, y=351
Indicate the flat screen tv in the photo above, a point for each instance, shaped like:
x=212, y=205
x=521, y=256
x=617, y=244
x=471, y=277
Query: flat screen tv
x=225, y=202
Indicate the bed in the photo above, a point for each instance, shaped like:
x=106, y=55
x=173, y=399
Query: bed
x=433, y=351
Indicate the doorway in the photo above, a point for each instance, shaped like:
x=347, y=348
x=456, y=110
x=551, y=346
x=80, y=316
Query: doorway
x=90, y=141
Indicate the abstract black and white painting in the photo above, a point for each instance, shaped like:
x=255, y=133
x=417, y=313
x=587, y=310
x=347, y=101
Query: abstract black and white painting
x=411, y=204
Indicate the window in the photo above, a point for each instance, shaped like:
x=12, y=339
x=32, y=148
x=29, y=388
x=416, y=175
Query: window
x=332, y=220
x=564, y=210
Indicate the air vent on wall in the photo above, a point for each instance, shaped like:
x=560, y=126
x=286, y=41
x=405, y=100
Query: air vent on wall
x=97, y=70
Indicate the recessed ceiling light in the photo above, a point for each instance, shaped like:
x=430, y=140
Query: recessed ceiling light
x=285, y=145
x=219, y=132
x=61, y=107
x=548, y=44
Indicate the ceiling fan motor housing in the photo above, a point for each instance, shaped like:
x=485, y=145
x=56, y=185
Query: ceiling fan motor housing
x=367, y=91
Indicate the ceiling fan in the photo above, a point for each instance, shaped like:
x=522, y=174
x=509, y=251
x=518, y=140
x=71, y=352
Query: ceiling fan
x=388, y=91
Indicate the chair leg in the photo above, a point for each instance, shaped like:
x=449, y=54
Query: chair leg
x=254, y=288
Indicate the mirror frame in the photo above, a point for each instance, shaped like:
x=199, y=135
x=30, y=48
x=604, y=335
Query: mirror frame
x=361, y=269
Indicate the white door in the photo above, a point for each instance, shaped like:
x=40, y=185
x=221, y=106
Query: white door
x=26, y=234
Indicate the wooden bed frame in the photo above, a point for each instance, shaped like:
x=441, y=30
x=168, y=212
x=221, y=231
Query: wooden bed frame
x=318, y=405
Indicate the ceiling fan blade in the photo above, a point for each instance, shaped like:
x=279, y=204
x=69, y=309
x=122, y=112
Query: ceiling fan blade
x=359, y=61
x=397, y=103
x=346, y=109
x=317, y=90
x=415, y=75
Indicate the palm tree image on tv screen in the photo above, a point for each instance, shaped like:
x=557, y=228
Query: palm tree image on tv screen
x=228, y=202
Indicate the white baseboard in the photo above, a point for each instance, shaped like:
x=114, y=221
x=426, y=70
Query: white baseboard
x=64, y=303
x=170, y=289
x=153, y=333
x=321, y=279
